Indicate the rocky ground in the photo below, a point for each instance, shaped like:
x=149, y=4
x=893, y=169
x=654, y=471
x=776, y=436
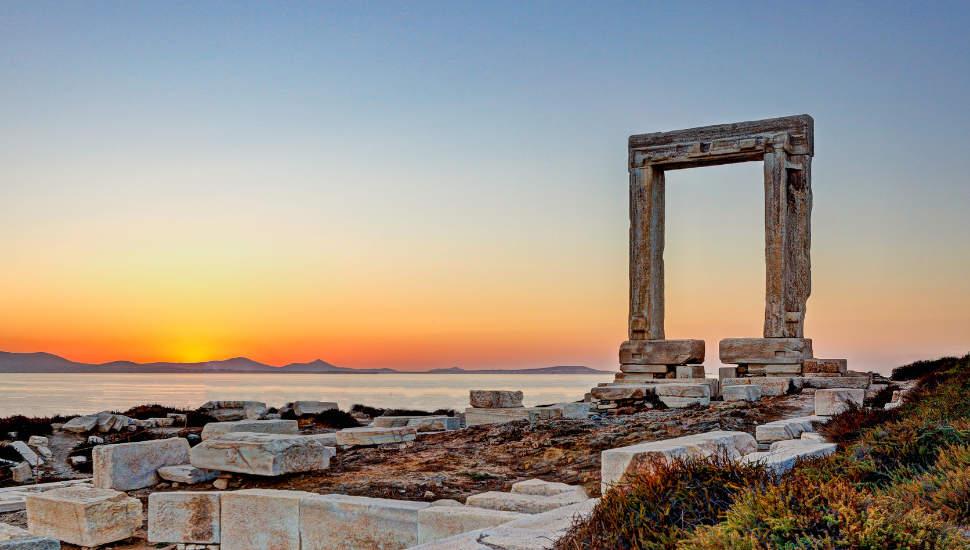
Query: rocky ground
x=455, y=465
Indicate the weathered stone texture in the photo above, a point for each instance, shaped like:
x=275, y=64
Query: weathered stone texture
x=439, y=522
x=8, y=532
x=192, y=517
x=770, y=387
x=261, y=519
x=83, y=516
x=31, y=543
x=304, y=408
x=495, y=399
x=835, y=401
x=375, y=436
x=661, y=352
x=545, y=488
x=339, y=522
x=128, y=466
x=289, y=427
x=749, y=393
x=691, y=371
x=524, y=503
x=262, y=454
x=774, y=351
x=186, y=473
x=435, y=423
x=226, y=411
x=625, y=391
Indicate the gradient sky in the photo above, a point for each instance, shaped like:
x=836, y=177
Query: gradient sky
x=420, y=185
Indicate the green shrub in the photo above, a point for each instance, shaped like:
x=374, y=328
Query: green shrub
x=653, y=511
x=803, y=515
x=920, y=369
x=336, y=419
x=847, y=427
x=28, y=426
x=945, y=488
x=372, y=412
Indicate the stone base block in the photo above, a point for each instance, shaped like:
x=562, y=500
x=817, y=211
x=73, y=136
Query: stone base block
x=750, y=393
x=31, y=543
x=476, y=417
x=539, y=487
x=774, y=351
x=770, y=387
x=495, y=399
x=786, y=370
x=638, y=459
x=639, y=377
x=339, y=522
x=814, y=366
x=435, y=423
x=305, y=408
x=646, y=369
x=375, y=436
x=835, y=401
x=661, y=352
x=262, y=454
x=261, y=519
x=785, y=457
x=191, y=517
x=524, y=503
x=710, y=382
x=129, y=466
x=678, y=396
x=624, y=391
x=439, y=522
x=830, y=383
x=187, y=474
x=83, y=516
x=287, y=427
x=691, y=371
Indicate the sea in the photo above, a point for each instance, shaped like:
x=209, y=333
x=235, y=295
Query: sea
x=85, y=393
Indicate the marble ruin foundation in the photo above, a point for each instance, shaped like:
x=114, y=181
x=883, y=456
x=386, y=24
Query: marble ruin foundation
x=786, y=146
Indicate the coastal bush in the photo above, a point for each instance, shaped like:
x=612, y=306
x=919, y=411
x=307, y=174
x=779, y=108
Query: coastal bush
x=945, y=488
x=881, y=397
x=9, y=453
x=27, y=426
x=195, y=417
x=372, y=412
x=803, y=515
x=847, y=427
x=335, y=419
x=919, y=369
x=654, y=511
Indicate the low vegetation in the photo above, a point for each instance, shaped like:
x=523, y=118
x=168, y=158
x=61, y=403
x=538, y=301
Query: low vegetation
x=900, y=480
x=374, y=412
x=25, y=426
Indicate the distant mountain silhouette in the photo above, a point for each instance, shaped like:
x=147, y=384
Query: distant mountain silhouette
x=41, y=362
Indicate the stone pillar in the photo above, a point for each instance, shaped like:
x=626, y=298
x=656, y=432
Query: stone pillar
x=646, y=253
x=788, y=207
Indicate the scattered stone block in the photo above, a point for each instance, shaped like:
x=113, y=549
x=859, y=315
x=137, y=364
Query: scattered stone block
x=212, y=429
x=495, y=399
x=44, y=451
x=727, y=372
x=691, y=371
x=572, y=411
x=787, y=370
x=95, y=440
x=192, y=517
x=439, y=522
x=637, y=459
x=661, y=352
x=375, y=436
x=835, y=366
x=305, y=408
x=162, y=422
x=645, y=369
x=128, y=466
x=786, y=456
x=37, y=440
x=747, y=392
x=8, y=532
x=524, y=503
x=21, y=473
x=226, y=411
x=537, y=532
x=31, y=543
x=75, y=460
x=678, y=396
x=262, y=454
x=81, y=424
x=770, y=387
x=435, y=423
x=29, y=456
x=179, y=418
x=539, y=487
x=83, y=516
x=393, y=421
x=476, y=417
x=186, y=473
x=834, y=401
x=261, y=519
x=625, y=391
x=340, y=522
x=774, y=351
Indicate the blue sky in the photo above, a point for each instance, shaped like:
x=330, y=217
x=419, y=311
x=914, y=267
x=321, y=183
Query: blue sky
x=291, y=181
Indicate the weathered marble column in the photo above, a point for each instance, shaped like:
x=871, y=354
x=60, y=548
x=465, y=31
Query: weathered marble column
x=646, y=253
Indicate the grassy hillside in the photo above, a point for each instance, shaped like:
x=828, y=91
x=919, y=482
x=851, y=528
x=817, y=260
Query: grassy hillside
x=901, y=480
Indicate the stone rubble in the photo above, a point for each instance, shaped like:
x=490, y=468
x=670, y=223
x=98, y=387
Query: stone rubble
x=187, y=474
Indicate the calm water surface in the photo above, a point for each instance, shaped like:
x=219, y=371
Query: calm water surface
x=49, y=394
